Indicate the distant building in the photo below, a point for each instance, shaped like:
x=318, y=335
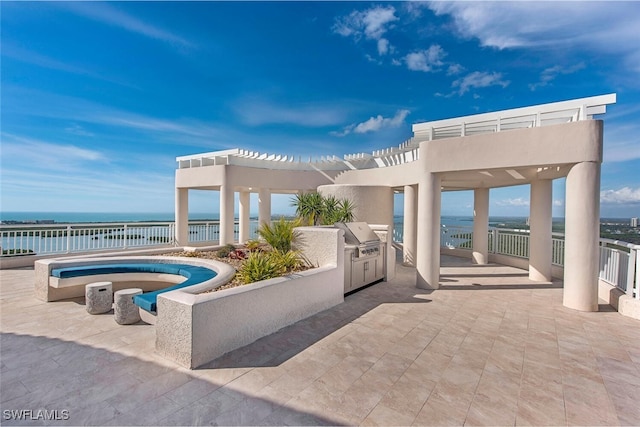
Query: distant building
x=634, y=221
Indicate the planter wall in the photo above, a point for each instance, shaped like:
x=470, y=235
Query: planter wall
x=193, y=329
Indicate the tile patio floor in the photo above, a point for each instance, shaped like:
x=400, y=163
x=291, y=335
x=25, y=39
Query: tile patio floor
x=488, y=348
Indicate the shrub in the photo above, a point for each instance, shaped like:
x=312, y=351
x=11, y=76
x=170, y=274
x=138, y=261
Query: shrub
x=309, y=207
x=280, y=235
x=315, y=209
x=225, y=250
x=260, y=266
x=287, y=261
x=253, y=245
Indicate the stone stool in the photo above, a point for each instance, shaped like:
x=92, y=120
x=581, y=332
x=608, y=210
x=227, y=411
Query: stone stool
x=98, y=297
x=125, y=311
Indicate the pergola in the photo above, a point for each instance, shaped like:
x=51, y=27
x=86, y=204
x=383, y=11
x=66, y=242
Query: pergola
x=532, y=145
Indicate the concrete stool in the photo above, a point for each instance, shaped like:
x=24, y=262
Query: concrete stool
x=98, y=297
x=125, y=311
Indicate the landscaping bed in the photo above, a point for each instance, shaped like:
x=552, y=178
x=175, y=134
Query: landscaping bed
x=237, y=259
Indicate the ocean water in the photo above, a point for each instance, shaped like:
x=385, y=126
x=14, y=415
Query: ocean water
x=81, y=217
x=104, y=217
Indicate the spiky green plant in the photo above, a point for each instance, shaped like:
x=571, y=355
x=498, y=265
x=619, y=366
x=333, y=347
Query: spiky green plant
x=309, y=207
x=260, y=266
x=287, y=261
x=280, y=235
x=253, y=245
x=314, y=209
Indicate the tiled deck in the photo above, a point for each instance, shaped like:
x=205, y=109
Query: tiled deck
x=488, y=348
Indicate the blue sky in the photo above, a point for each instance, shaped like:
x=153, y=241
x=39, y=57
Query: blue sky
x=98, y=99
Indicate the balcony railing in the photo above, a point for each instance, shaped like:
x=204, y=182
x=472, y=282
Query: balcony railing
x=619, y=261
x=75, y=238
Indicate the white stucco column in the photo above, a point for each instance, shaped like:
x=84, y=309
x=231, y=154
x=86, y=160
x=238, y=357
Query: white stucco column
x=428, y=241
x=480, y=253
x=226, y=214
x=244, y=205
x=582, y=232
x=540, y=221
x=409, y=232
x=182, y=216
x=264, y=206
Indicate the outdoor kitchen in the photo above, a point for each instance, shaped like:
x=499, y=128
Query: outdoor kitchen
x=365, y=256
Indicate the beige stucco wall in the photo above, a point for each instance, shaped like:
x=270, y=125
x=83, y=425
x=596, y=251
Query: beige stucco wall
x=248, y=177
x=549, y=145
x=392, y=176
x=193, y=329
x=373, y=203
x=613, y=296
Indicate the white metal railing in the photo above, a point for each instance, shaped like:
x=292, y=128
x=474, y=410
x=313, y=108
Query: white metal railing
x=456, y=237
x=517, y=118
x=620, y=265
x=54, y=239
x=619, y=261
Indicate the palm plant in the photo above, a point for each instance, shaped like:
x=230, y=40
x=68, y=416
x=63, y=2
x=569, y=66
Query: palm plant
x=309, y=207
x=314, y=209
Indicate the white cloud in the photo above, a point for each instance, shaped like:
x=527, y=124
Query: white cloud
x=107, y=14
x=17, y=147
x=76, y=129
x=383, y=47
x=375, y=124
x=257, y=112
x=551, y=73
x=35, y=58
x=606, y=27
x=479, y=79
x=454, y=69
x=558, y=202
x=519, y=202
x=625, y=195
x=426, y=60
x=372, y=23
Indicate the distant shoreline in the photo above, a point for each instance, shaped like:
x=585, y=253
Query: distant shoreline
x=57, y=218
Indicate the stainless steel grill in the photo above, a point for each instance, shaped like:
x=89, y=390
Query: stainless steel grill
x=364, y=255
x=362, y=237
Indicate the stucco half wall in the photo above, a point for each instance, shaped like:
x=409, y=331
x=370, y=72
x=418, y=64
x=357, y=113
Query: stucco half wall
x=193, y=329
x=372, y=203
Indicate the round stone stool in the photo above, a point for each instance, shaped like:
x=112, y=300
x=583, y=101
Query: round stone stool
x=125, y=311
x=98, y=297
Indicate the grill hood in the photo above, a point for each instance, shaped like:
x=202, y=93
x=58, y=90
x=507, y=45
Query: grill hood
x=357, y=233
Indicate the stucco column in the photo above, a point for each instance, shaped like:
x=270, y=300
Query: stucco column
x=582, y=232
x=182, y=216
x=428, y=256
x=409, y=232
x=244, y=204
x=540, y=244
x=480, y=253
x=264, y=206
x=226, y=214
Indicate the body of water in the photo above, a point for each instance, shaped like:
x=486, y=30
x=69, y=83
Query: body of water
x=106, y=217
x=82, y=217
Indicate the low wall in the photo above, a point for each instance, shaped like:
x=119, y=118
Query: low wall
x=193, y=329
x=45, y=292
x=616, y=298
x=557, y=272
